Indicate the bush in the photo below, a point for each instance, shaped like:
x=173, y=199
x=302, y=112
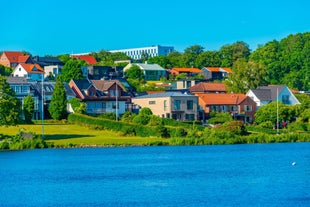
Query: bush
x=266, y=125
x=110, y=116
x=220, y=118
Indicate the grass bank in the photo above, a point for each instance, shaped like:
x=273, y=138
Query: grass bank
x=68, y=135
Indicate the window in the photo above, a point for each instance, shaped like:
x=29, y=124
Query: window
x=286, y=99
x=188, y=84
x=190, y=116
x=190, y=105
x=177, y=105
x=165, y=105
x=248, y=108
x=152, y=102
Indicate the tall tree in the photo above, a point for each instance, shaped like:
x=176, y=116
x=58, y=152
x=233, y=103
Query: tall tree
x=231, y=53
x=58, y=105
x=245, y=75
x=72, y=70
x=9, y=105
x=28, y=108
x=208, y=59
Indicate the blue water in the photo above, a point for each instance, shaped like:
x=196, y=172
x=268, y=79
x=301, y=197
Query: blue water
x=228, y=175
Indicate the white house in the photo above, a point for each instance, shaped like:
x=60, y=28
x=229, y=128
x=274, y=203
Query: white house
x=272, y=93
x=32, y=72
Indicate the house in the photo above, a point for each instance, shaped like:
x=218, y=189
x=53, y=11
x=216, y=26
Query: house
x=204, y=87
x=32, y=72
x=12, y=59
x=150, y=71
x=175, y=105
x=263, y=95
x=138, y=53
x=188, y=71
x=185, y=84
x=215, y=73
x=102, y=72
x=52, y=71
x=90, y=60
x=101, y=96
x=240, y=106
x=22, y=88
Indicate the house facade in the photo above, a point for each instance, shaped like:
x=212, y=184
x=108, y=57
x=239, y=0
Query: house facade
x=150, y=71
x=101, y=96
x=215, y=73
x=153, y=51
x=272, y=93
x=12, y=59
x=240, y=106
x=188, y=71
x=32, y=72
x=102, y=72
x=175, y=105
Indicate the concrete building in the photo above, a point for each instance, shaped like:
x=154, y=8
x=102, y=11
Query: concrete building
x=153, y=51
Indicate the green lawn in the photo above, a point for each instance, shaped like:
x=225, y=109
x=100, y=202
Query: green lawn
x=68, y=134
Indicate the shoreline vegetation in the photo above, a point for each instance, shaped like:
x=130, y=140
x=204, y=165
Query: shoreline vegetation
x=81, y=131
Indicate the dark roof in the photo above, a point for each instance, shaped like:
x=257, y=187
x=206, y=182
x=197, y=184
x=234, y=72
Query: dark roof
x=104, y=85
x=262, y=94
x=49, y=87
x=166, y=94
x=275, y=89
x=45, y=61
x=82, y=84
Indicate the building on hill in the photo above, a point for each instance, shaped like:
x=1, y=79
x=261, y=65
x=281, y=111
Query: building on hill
x=263, y=95
x=32, y=72
x=102, y=96
x=23, y=87
x=153, y=51
x=240, y=106
x=207, y=87
x=190, y=72
x=175, y=105
x=12, y=59
x=215, y=73
x=102, y=72
x=150, y=71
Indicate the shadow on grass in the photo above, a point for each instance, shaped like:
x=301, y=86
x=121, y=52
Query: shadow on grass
x=64, y=136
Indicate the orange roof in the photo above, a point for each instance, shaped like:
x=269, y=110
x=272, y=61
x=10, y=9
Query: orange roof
x=23, y=58
x=204, y=87
x=187, y=70
x=32, y=68
x=13, y=56
x=87, y=58
x=228, y=70
x=212, y=69
x=218, y=69
x=222, y=98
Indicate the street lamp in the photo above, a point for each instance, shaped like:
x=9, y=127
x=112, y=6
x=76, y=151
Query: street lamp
x=42, y=114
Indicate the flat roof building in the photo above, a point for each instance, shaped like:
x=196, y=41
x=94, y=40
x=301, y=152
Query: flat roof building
x=153, y=51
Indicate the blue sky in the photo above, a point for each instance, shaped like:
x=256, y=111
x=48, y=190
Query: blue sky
x=45, y=27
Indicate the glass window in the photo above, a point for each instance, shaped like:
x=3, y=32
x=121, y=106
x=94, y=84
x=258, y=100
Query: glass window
x=165, y=105
x=152, y=102
x=248, y=108
x=190, y=104
x=177, y=105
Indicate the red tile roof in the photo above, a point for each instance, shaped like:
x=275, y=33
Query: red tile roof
x=90, y=60
x=23, y=58
x=218, y=69
x=222, y=99
x=13, y=56
x=208, y=87
x=32, y=68
x=228, y=70
x=188, y=70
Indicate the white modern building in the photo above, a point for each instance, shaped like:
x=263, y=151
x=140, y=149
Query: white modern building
x=153, y=51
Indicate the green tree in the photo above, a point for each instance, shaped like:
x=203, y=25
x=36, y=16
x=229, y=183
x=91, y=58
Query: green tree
x=107, y=58
x=9, y=105
x=78, y=106
x=163, y=61
x=208, y=59
x=245, y=75
x=58, y=105
x=135, y=77
x=145, y=111
x=231, y=53
x=72, y=70
x=28, y=108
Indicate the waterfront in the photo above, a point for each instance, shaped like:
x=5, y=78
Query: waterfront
x=223, y=175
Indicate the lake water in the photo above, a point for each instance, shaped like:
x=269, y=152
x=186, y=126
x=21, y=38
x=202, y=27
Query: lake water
x=226, y=175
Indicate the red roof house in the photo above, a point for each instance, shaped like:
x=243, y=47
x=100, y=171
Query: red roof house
x=90, y=60
x=12, y=58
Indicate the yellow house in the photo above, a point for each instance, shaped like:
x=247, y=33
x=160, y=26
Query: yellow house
x=175, y=105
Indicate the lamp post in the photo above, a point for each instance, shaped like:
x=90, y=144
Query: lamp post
x=42, y=114
x=116, y=100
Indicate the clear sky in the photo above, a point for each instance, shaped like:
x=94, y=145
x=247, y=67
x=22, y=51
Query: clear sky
x=52, y=27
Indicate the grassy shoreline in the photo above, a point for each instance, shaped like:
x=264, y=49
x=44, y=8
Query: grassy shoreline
x=70, y=135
